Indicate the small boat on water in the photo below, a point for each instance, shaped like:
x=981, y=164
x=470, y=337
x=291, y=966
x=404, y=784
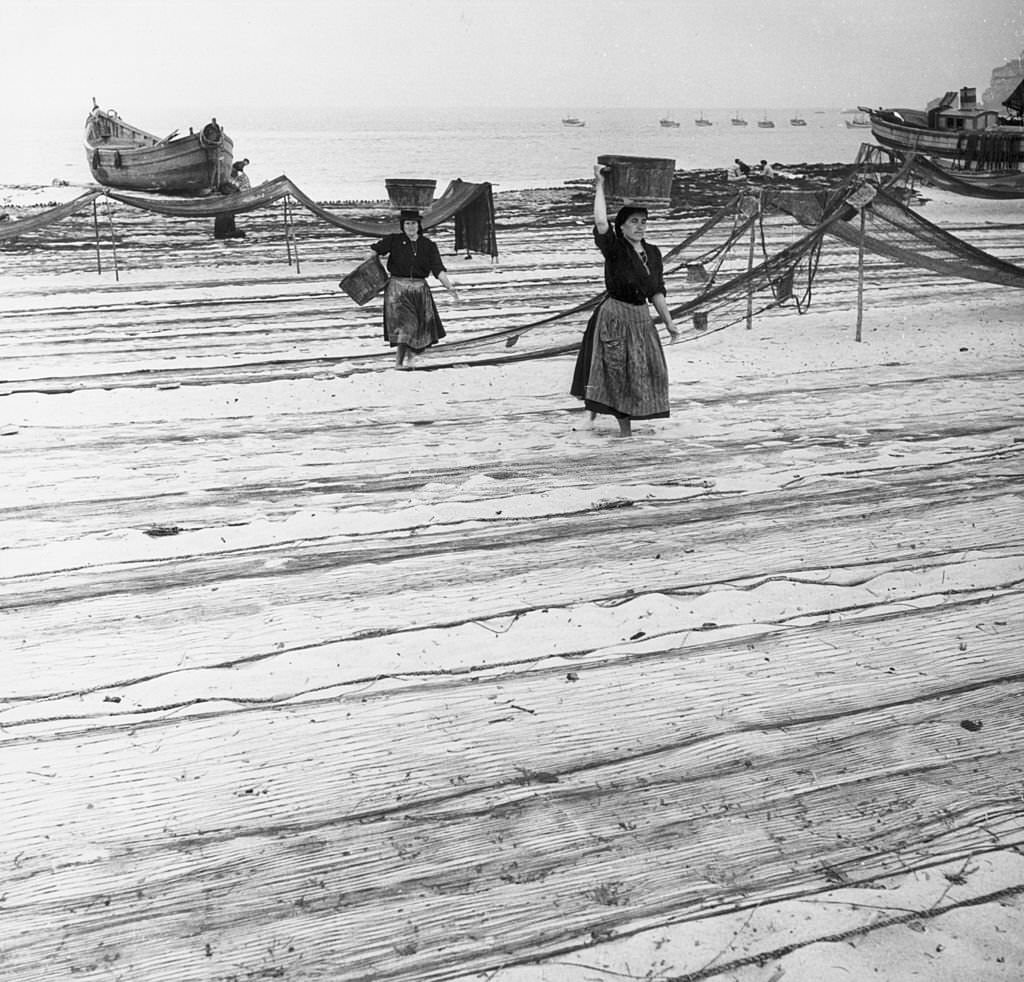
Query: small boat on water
x=975, y=144
x=738, y=120
x=859, y=122
x=126, y=157
x=766, y=123
x=701, y=121
x=797, y=120
x=668, y=122
x=572, y=121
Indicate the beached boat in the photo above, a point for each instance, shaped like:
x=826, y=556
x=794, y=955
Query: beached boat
x=766, y=123
x=123, y=156
x=668, y=121
x=967, y=139
x=738, y=120
x=976, y=145
x=572, y=121
x=701, y=121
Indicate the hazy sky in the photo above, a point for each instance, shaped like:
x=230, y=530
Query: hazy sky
x=143, y=55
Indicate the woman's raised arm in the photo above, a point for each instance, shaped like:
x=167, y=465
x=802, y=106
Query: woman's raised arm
x=600, y=206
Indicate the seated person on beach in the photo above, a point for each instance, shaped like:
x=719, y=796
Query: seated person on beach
x=224, y=224
x=766, y=169
x=411, y=321
x=743, y=168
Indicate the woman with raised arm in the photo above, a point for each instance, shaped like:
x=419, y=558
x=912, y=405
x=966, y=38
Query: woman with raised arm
x=621, y=368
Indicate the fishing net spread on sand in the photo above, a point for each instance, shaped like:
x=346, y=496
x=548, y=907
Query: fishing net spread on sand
x=471, y=205
x=728, y=263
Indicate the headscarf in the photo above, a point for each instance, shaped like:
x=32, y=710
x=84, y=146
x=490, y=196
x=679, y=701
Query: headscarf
x=623, y=214
x=410, y=215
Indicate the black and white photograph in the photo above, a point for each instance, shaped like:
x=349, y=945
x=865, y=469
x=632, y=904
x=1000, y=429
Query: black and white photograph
x=512, y=491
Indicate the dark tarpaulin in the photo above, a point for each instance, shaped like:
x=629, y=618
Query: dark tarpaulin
x=474, y=225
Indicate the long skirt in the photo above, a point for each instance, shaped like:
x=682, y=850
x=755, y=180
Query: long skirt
x=410, y=314
x=620, y=368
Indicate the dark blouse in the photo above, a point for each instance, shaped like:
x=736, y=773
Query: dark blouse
x=625, y=276
x=406, y=258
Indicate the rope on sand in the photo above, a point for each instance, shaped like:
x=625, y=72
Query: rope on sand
x=764, y=957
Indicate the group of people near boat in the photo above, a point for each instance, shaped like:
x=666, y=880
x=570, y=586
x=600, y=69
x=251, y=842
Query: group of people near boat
x=620, y=369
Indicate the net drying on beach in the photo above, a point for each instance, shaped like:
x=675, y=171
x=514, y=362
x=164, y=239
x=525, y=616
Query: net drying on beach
x=470, y=205
x=894, y=230
x=881, y=223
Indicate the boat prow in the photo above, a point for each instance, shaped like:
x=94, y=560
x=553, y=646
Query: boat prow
x=123, y=156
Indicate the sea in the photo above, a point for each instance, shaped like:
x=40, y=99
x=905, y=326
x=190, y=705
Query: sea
x=346, y=155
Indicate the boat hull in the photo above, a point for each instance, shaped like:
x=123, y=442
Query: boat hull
x=992, y=184
x=994, y=150
x=125, y=157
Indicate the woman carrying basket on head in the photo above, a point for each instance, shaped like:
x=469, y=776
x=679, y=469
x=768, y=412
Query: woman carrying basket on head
x=621, y=367
x=411, y=321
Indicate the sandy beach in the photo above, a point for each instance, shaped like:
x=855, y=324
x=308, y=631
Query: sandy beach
x=321, y=670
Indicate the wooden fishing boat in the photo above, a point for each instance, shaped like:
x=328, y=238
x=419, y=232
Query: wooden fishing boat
x=668, y=122
x=968, y=133
x=975, y=143
x=126, y=157
x=766, y=123
x=738, y=120
x=573, y=121
x=701, y=121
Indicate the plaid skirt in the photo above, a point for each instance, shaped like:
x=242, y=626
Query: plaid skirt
x=620, y=369
x=410, y=314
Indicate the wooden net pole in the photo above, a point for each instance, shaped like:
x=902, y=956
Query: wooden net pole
x=113, y=242
x=295, y=241
x=287, y=237
x=96, y=229
x=750, y=264
x=860, y=199
x=860, y=277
